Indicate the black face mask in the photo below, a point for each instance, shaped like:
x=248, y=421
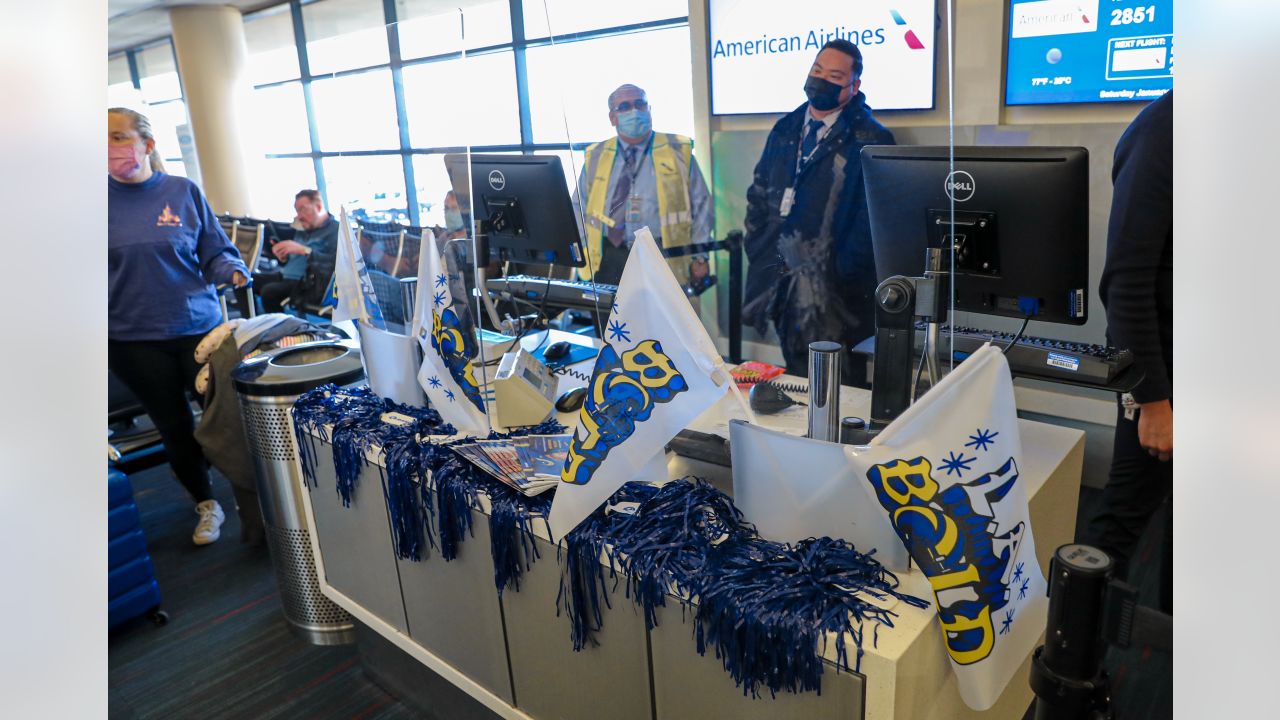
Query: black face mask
x=823, y=94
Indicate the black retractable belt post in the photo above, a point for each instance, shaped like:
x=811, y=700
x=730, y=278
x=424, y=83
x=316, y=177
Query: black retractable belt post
x=1088, y=610
x=1066, y=672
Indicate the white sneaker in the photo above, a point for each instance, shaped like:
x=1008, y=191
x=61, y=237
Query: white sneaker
x=211, y=518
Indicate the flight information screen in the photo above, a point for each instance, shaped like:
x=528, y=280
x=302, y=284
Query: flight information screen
x=1072, y=51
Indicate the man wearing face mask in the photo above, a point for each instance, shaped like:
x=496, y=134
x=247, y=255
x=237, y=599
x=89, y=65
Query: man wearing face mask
x=807, y=237
x=455, y=254
x=306, y=261
x=643, y=178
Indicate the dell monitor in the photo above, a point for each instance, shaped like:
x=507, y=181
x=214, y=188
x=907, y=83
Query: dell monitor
x=521, y=203
x=1021, y=224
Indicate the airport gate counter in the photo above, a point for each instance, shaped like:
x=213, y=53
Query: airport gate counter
x=512, y=651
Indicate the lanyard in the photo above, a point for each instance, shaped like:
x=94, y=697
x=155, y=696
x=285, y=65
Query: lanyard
x=633, y=174
x=802, y=161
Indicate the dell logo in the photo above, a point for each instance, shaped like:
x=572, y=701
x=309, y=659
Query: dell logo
x=497, y=180
x=959, y=185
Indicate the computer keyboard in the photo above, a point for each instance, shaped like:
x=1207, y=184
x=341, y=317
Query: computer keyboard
x=577, y=294
x=1036, y=357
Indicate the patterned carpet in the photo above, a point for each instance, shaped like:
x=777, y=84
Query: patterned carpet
x=226, y=651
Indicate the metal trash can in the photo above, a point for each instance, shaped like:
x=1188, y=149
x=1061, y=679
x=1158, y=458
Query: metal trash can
x=268, y=385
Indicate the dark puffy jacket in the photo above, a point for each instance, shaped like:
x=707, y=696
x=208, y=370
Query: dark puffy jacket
x=813, y=272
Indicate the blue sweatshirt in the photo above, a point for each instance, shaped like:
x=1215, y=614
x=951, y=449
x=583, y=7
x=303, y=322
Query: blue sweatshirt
x=165, y=252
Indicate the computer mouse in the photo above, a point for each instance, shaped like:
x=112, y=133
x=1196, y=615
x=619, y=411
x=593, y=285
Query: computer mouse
x=557, y=350
x=572, y=400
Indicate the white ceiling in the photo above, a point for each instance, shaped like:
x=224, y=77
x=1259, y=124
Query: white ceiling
x=134, y=22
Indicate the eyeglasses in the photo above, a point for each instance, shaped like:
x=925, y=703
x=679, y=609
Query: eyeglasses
x=638, y=104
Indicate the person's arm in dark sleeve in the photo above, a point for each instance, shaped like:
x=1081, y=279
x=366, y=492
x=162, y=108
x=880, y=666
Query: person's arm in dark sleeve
x=758, y=211
x=1139, y=228
x=219, y=259
x=858, y=259
x=759, y=243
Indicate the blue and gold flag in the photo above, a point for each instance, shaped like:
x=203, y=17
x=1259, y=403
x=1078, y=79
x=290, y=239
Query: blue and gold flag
x=448, y=343
x=354, y=296
x=947, y=474
x=657, y=371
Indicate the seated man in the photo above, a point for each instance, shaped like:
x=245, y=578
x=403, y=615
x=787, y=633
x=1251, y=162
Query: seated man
x=315, y=246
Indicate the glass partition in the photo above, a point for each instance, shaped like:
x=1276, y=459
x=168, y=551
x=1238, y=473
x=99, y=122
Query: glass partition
x=364, y=99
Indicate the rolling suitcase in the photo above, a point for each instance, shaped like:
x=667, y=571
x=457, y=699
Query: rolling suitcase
x=132, y=589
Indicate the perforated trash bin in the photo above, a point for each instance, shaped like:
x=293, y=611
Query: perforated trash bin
x=267, y=386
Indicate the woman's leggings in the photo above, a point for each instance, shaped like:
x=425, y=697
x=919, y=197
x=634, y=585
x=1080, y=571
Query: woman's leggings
x=159, y=373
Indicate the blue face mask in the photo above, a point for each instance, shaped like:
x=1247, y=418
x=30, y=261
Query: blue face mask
x=635, y=123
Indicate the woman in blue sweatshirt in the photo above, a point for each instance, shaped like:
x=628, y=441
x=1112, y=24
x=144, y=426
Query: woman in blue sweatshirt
x=165, y=253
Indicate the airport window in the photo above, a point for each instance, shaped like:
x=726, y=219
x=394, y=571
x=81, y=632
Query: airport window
x=571, y=161
x=433, y=184
x=372, y=186
x=120, y=89
x=344, y=35
x=158, y=73
x=276, y=181
x=438, y=27
x=598, y=67
x=464, y=101
x=330, y=115
x=272, y=44
x=563, y=17
x=277, y=120
x=356, y=112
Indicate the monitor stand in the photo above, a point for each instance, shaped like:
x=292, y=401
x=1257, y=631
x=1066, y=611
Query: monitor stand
x=900, y=301
x=480, y=249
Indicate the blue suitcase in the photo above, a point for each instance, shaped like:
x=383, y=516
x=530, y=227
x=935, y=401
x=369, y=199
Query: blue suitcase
x=132, y=589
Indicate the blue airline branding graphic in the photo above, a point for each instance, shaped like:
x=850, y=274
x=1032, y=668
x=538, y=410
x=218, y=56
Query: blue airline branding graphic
x=972, y=564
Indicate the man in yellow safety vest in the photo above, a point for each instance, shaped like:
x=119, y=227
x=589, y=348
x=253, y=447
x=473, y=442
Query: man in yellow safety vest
x=643, y=178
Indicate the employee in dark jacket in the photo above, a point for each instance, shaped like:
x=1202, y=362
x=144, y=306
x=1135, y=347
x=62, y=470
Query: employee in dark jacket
x=312, y=250
x=165, y=253
x=1137, y=291
x=808, y=239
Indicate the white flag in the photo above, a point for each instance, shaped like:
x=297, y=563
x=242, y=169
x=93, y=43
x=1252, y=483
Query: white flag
x=657, y=372
x=356, y=299
x=946, y=472
x=447, y=375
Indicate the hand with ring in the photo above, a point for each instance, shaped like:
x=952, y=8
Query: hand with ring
x=1155, y=429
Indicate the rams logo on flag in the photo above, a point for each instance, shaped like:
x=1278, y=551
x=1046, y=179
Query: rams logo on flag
x=456, y=347
x=623, y=392
x=955, y=545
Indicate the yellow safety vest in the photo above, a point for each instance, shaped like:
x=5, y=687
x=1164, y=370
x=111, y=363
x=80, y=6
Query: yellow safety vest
x=672, y=157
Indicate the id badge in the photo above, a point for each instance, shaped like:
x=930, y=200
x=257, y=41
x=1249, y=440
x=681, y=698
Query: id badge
x=788, y=200
x=633, y=212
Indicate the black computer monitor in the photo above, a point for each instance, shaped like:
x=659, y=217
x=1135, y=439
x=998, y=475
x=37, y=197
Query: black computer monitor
x=1021, y=224
x=524, y=202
